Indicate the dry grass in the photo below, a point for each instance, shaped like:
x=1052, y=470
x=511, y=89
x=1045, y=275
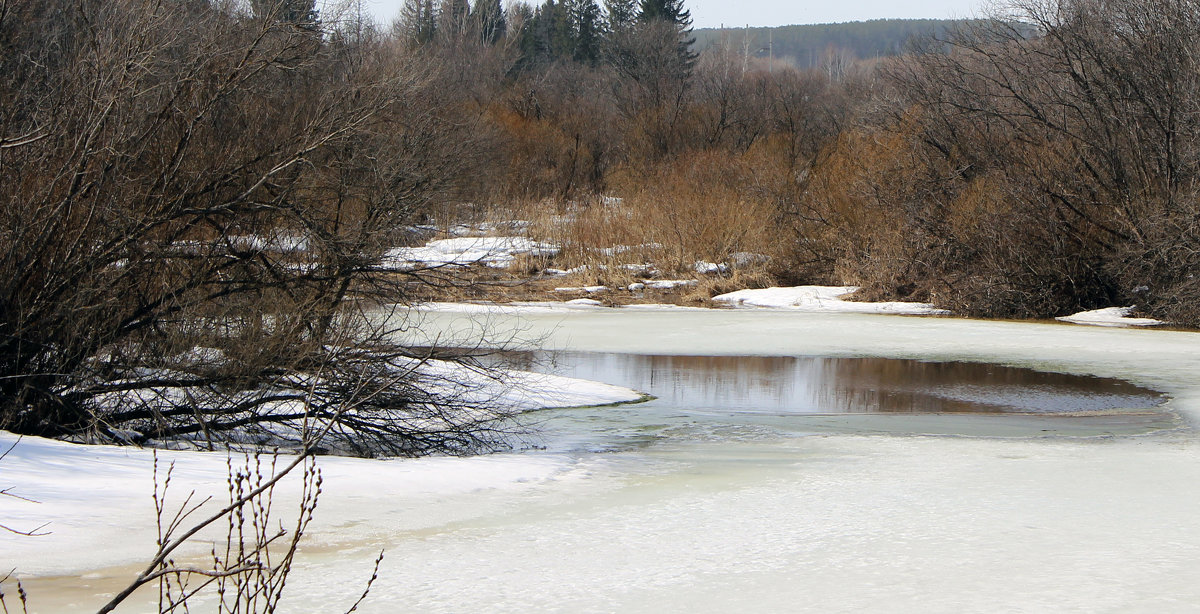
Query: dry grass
x=704, y=207
x=698, y=208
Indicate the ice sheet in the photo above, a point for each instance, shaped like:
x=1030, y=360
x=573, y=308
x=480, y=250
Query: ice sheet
x=712, y=517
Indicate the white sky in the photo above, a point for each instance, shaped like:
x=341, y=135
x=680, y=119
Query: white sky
x=736, y=13
x=714, y=13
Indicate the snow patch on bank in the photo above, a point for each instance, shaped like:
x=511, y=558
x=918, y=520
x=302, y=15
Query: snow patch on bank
x=1110, y=316
x=516, y=391
x=821, y=298
x=92, y=507
x=496, y=252
x=93, y=501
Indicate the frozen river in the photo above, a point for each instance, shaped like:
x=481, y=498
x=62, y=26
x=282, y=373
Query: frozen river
x=692, y=506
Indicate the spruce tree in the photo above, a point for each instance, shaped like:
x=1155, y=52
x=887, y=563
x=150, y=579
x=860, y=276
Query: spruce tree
x=428, y=22
x=586, y=25
x=489, y=14
x=453, y=16
x=669, y=10
x=672, y=11
x=301, y=13
x=620, y=15
x=417, y=21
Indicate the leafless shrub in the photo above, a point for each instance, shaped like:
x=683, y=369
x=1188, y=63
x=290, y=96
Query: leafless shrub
x=201, y=202
x=250, y=567
x=22, y=596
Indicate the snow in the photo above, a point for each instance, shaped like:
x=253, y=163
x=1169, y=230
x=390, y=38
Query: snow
x=660, y=307
x=703, y=514
x=553, y=272
x=586, y=289
x=277, y=241
x=820, y=298
x=710, y=268
x=519, y=391
x=90, y=498
x=718, y=517
x=486, y=228
x=496, y=252
x=811, y=299
x=1110, y=316
x=669, y=284
x=625, y=249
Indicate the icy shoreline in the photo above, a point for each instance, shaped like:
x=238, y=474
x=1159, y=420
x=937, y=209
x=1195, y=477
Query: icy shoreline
x=533, y=530
x=90, y=500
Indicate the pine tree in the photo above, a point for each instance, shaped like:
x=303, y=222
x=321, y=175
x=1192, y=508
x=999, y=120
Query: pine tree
x=428, y=22
x=672, y=11
x=301, y=13
x=489, y=14
x=553, y=32
x=417, y=21
x=620, y=15
x=452, y=16
x=586, y=25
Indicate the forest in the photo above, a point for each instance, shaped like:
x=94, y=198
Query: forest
x=200, y=195
x=806, y=46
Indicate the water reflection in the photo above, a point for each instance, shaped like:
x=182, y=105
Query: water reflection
x=811, y=385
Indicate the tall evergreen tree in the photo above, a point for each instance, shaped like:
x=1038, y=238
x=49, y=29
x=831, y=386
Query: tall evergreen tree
x=489, y=14
x=672, y=11
x=301, y=13
x=429, y=21
x=620, y=15
x=418, y=23
x=554, y=38
x=586, y=23
x=452, y=16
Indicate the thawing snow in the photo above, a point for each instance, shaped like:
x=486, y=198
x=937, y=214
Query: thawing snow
x=587, y=289
x=701, y=513
x=669, y=284
x=820, y=298
x=497, y=252
x=485, y=228
x=553, y=272
x=710, y=268
x=279, y=241
x=1110, y=316
x=94, y=500
x=518, y=390
x=624, y=249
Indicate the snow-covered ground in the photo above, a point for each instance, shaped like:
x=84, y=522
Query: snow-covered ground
x=820, y=298
x=1110, y=316
x=90, y=497
x=467, y=248
x=498, y=252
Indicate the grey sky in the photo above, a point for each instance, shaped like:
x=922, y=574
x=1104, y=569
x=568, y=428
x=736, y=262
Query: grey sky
x=714, y=13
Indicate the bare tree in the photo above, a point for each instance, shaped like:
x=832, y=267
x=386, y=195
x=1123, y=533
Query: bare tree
x=1081, y=114
x=200, y=206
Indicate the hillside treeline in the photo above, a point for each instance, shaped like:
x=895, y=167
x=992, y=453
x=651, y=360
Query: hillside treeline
x=1032, y=165
x=810, y=45
x=199, y=195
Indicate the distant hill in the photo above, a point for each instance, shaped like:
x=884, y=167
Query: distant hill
x=806, y=44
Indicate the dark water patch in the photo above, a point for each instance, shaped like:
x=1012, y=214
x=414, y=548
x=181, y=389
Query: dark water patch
x=814, y=385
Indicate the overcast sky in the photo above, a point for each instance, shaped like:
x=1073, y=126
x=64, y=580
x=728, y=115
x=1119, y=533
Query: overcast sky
x=714, y=13
x=737, y=13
